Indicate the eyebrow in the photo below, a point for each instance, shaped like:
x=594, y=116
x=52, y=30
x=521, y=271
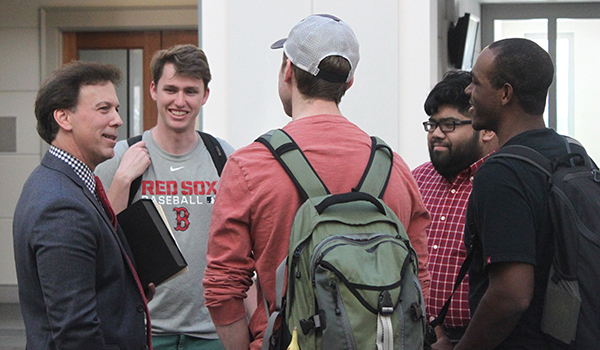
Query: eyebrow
x=107, y=103
x=445, y=120
x=171, y=86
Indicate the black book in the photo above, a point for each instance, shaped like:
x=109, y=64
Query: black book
x=155, y=250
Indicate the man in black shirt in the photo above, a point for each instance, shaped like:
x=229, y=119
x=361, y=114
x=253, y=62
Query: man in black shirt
x=508, y=220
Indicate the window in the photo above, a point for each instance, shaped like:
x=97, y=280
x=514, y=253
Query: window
x=569, y=33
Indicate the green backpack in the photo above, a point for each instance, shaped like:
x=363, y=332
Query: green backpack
x=352, y=278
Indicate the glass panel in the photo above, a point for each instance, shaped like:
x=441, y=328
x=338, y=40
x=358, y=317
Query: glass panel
x=577, y=58
x=136, y=86
x=130, y=90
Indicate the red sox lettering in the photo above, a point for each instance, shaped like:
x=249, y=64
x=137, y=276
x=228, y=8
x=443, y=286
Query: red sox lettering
x=180, y=194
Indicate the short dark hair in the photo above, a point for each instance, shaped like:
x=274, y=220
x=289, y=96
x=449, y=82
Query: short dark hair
x=61, y=91
x=188, y=60
x=314, y=87
x=527, y=68
x=450, y=91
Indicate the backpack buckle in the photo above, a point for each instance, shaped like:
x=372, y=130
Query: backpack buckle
x=417, y=312
x=385, y=305
x=316, y=322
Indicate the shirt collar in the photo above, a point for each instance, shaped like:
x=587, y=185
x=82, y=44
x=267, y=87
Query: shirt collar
x=475, y=166
x=82, y=170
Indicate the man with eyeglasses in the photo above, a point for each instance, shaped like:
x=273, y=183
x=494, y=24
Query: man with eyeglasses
x=456, y=152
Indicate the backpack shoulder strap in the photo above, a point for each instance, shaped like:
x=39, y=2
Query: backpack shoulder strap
x=216, y=151
x=575, y=155
x=574, y=147
x=464, y=268
x=295, y=164
x=135, y=184
x=525, y=154
x=379, y=167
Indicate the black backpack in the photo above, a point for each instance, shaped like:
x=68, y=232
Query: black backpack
x=571, y=311
x=212, y=145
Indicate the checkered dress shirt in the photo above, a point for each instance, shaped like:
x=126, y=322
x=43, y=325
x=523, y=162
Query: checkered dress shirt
x=447, y=204
x=82, y=170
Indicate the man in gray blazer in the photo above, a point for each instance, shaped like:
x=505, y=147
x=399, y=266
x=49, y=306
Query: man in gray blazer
x=77, y=284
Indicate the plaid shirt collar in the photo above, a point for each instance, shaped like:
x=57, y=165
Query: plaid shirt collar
x=471, y=170
x=82, y=170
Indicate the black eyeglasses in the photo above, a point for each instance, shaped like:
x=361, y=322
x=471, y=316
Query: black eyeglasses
x=445, y=126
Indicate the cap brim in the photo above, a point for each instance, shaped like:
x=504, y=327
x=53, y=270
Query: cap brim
x=278, y=44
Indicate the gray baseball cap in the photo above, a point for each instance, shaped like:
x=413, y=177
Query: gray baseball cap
x=317, y=37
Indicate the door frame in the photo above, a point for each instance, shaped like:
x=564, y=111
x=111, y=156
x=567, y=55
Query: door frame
x=57, y=21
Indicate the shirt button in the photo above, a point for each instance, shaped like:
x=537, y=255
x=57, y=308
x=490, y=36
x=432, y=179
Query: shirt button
x=443, y=218
x=435, y=246
x=453, y=190
x=140, y=309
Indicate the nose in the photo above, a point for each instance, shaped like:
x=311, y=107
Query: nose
x=116, y=120
x=437, y=133
x=468, y=89
x=179, y=99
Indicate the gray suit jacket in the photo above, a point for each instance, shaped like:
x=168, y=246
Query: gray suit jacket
x=75, y=286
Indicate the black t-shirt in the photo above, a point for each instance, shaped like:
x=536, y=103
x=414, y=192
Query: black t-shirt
x=508, y=221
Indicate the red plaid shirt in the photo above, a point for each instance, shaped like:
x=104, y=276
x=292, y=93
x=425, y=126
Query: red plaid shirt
x=447, y=204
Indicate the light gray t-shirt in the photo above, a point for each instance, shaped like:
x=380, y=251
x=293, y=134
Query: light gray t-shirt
x=185, y=186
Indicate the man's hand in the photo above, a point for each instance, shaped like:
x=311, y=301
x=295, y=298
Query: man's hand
x=133, y=164
x=150, y=291
x=443, y=342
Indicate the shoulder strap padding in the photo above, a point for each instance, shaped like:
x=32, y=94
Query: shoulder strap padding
x=575, y=155
x=295, y=164
x=135, y=184
x=217, y=154
x=379, y=168
x=525, y=154
x=373, y=181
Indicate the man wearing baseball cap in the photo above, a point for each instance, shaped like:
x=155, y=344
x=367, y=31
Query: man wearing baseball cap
x=257, y=201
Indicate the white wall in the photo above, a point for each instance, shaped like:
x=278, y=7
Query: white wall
x=20, y=76
x=397, y=68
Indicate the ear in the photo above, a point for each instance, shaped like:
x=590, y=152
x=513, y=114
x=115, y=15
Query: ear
x=487, y=135
x=288, y=72
x=153, y=92
x=350, y=83
x=63, y=119
x=206, y=93
x=507, y=93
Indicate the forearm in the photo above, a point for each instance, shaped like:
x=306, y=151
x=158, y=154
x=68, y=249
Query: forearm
x=235, y=336
x=491, y=324
x=506, y=299
x=118, y=193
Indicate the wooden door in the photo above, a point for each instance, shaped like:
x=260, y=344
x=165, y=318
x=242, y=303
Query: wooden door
x=148, y=41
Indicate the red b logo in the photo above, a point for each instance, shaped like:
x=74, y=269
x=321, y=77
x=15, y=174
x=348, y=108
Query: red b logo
x=182, y=216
